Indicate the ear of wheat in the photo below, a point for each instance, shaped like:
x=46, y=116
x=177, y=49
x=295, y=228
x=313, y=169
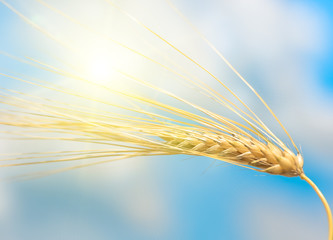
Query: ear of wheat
x=140, y=132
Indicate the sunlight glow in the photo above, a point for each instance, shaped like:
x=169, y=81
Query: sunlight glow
x=100, y=68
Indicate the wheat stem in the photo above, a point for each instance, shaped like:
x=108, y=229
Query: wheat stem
x=324, y=201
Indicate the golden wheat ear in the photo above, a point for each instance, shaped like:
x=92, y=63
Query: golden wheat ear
x=276, y=169
x=171, y=131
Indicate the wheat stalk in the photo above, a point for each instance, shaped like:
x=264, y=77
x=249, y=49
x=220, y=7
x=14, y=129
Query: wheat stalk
x=144, y=133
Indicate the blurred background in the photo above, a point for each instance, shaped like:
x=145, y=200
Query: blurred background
x=283, y=48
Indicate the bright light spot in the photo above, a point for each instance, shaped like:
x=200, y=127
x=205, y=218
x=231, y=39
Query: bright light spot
x=100, y=67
